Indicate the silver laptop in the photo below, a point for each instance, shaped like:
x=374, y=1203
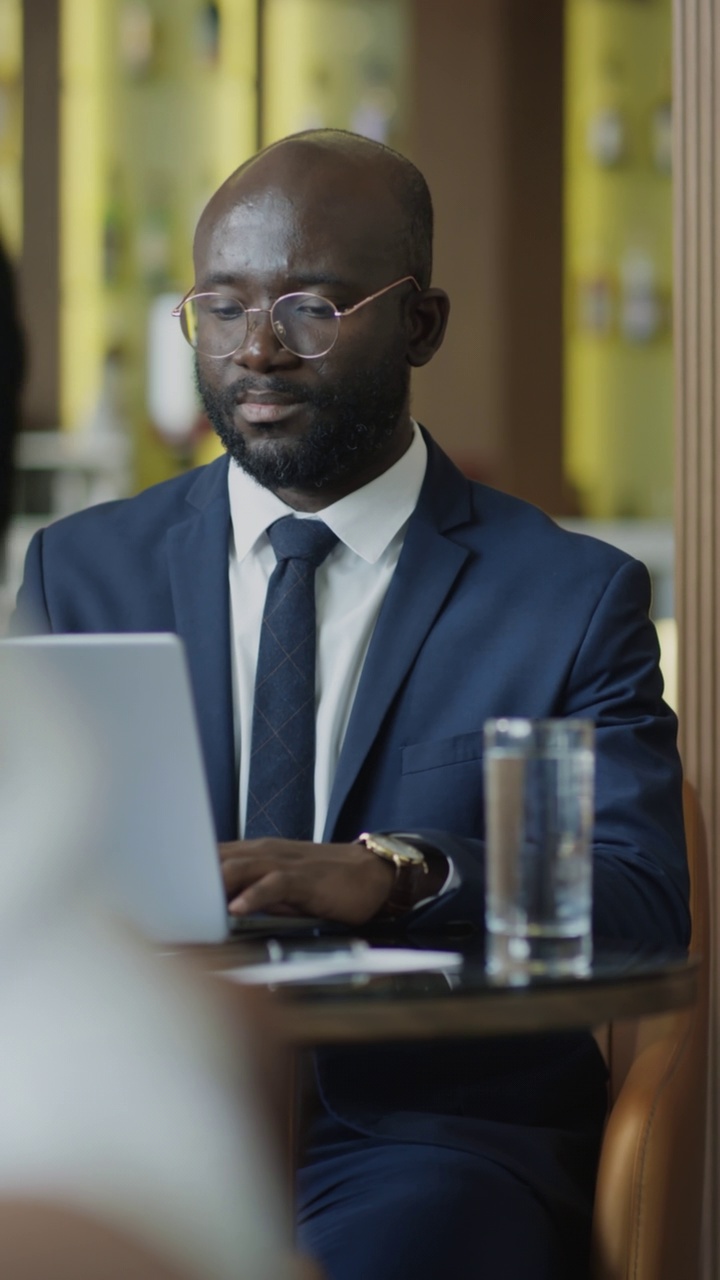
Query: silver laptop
x=160, y=858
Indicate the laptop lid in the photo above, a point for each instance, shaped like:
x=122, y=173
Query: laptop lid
x=158, y=851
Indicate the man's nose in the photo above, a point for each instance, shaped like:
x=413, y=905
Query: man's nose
x=261, y=348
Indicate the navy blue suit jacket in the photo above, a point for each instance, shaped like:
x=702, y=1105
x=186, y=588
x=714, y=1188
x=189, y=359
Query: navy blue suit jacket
x=493, y=610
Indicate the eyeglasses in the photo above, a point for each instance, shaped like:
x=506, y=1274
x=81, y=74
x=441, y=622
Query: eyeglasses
x=216, y=324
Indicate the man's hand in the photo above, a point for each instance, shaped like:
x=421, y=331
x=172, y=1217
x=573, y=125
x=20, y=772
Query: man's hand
x=342, y=882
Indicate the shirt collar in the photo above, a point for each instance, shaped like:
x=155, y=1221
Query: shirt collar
x=366, y=520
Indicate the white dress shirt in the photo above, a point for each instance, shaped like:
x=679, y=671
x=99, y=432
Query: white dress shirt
x=350, y=586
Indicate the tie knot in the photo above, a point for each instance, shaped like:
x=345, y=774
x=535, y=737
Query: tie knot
x=301, y=539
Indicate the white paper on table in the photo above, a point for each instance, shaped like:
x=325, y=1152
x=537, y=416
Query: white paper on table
x=350, y=961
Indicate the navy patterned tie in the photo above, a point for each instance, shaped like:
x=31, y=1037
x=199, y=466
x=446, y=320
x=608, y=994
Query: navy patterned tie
x=281, y=786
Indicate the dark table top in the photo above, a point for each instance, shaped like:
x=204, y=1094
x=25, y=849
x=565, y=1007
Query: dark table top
x=624, y=981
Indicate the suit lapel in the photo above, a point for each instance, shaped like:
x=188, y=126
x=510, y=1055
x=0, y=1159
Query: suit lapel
x=197, y=550
x=426, y=571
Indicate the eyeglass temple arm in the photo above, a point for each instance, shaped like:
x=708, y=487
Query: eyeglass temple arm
x=380, y=292
x=177, y=311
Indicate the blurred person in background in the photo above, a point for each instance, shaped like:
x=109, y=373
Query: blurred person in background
x=11, y=377
x=130, y=1125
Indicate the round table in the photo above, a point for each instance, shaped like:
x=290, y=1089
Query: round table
x=623, y=982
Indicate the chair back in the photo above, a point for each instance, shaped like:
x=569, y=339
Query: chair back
x=648, y=1201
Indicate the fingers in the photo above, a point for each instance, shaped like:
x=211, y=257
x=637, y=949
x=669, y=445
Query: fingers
x=336, y=882
x=273, y=889
x=239, y=873
x=278, y=879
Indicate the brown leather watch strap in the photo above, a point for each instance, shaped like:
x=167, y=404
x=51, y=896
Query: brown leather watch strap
x=414, y=881
x=410, y=887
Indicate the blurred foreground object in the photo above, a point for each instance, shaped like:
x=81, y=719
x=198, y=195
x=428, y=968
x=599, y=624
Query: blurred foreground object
x=121, y=1104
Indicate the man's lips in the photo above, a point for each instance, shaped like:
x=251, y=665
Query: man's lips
x=266, y=406
x=254, y=411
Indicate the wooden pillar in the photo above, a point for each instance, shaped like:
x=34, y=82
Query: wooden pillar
x=533, y=264
x=39, y=275
x=697, y=312
x=487, y=133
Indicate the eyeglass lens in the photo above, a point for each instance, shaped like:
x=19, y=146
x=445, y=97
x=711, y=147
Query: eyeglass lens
x=216, y=325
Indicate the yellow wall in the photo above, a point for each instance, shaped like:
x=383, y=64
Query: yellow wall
x=11, y=125
x=337, y=63
x=84, y=79
x=618, y=223
x=143, y=147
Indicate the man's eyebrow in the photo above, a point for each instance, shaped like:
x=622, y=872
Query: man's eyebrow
x=217, y=278
x=305, y=280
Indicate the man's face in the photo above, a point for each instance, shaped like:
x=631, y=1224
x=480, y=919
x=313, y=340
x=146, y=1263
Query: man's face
x=295, y=423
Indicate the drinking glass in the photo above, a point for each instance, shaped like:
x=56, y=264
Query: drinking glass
x=539, y=808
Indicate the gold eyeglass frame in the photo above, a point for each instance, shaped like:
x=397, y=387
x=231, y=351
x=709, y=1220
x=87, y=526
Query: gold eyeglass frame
x=337, y=313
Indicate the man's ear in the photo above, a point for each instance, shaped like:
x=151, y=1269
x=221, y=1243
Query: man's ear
x=427, y=317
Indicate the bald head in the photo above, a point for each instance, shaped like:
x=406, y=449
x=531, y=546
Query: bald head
x=331, y=170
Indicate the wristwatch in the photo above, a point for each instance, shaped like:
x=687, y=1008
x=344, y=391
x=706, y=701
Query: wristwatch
x=410, y=866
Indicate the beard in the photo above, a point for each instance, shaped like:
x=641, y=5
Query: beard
x=351, y=427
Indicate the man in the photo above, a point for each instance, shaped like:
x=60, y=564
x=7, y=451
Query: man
x=442, y=603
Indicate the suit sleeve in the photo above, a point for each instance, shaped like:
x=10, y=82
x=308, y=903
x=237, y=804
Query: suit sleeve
x=641, y=887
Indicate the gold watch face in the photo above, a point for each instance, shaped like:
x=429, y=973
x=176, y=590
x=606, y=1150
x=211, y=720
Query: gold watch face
x=395, y=850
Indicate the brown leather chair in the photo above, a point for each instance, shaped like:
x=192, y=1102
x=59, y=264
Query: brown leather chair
x=649, y=1194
